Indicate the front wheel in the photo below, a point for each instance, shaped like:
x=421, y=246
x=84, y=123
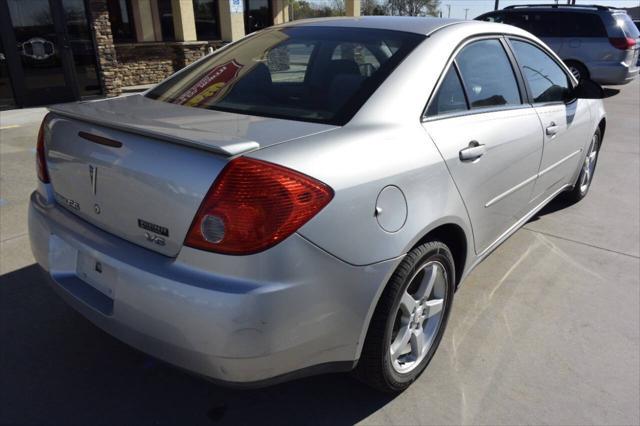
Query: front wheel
x=410, y=319
x=587, y=170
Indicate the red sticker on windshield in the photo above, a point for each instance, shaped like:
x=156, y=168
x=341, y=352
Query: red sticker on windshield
x=209, y=87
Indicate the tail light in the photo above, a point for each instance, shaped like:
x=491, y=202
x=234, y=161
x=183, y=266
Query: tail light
x=254, y=205
x=622, y=43
x=41, y=159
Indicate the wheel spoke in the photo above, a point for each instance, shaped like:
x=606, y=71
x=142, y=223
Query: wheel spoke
x=434, y=307
x=428, y=280
x=417, y=343
x=400, y=343
x=408, y=303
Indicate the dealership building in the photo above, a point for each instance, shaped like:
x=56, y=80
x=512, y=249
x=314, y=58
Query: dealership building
x=63, y=50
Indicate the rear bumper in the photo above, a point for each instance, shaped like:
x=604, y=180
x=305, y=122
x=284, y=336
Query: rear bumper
x=614, y=73
x=244, y=320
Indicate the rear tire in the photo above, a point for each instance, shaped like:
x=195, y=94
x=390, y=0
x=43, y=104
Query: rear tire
x=409, y=320
x=579, y=71
x=588, y=168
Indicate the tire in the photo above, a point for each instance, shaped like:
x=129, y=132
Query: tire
x=578, y=70
x=384, y=363
x=587, y=170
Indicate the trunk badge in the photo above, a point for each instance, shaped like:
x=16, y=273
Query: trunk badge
x=93, y=176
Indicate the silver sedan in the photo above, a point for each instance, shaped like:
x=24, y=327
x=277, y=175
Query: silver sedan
x=309, y=198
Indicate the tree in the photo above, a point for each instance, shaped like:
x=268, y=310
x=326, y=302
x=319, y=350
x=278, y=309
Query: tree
x=413, y=7
x=372, y=7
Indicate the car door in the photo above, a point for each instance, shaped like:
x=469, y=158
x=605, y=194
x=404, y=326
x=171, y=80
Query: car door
x=489, y=138
x=566, y=122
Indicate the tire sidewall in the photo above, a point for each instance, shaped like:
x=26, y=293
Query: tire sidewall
x=439, y=253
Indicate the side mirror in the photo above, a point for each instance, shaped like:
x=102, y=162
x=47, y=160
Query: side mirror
x=588, y=89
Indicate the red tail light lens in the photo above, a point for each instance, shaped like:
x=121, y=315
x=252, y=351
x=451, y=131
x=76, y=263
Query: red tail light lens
x=622, y=43
x=254, y=205
x=41, y=159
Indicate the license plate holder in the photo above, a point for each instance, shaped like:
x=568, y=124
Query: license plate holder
x=96, y=273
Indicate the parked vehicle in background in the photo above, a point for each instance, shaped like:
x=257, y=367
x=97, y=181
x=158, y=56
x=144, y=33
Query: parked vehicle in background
x=309, y=198
x=596, y=42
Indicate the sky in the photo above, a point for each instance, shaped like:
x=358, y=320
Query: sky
x=477, y=7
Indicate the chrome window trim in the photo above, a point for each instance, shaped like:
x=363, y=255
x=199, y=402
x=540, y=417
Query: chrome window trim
x=468, y=112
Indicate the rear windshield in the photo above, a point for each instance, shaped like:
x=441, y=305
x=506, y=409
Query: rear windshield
x=624, y=21
x=320, y=74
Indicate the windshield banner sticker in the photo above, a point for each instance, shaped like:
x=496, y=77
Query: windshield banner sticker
x=209, y=87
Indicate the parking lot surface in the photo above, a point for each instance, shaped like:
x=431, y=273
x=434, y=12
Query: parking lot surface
x=545, y=331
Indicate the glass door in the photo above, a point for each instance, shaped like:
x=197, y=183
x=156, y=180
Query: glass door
x=257, y=15
x=6, y=91
x=35, y=41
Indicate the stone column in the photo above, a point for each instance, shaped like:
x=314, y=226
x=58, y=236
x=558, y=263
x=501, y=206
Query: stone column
x=231, y=19
x=184, y=23
x=106, y=52
x=352, y=7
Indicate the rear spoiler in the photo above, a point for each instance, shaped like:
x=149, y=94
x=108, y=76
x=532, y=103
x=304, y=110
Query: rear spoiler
x=128, y=121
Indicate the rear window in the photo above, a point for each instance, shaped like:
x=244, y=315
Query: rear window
x=626, y=24
x=318, y=74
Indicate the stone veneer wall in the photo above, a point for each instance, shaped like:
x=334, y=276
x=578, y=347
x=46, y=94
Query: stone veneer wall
x=134, y=64
x=145, y=63
x=106, y=51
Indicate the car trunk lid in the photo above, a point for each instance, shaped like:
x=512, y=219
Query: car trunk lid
x=139, y=168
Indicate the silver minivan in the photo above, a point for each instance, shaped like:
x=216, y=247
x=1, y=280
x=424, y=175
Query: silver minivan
x=597, y=42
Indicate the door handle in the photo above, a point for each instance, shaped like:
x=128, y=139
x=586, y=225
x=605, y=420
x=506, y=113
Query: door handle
x=552, y=129
x=474, y=151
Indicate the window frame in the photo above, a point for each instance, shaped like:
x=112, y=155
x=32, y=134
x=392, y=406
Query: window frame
x=515, y=68
x=530, y=99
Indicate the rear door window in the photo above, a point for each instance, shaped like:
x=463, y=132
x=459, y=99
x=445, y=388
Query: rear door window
x=487, y=74
x=547, y=81
x=450, y=96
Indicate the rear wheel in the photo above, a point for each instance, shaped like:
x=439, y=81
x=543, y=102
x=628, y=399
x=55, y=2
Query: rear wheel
x=578, y=70
x=587, y=170
x=410, y=319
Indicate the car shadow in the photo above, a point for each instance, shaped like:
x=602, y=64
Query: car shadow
x=59, y=368
x=558, y=203
x=610, y=92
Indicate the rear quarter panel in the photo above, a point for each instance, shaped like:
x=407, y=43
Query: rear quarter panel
x=358, y=163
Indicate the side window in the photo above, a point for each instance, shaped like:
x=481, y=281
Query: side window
x=450, y=96
x=288, y=63
x=547, y=81
x=581, y=25
x=488, y=75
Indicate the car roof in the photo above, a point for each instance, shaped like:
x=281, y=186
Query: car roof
x=418, y=25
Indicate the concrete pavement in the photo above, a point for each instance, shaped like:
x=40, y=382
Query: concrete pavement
x=545, y=331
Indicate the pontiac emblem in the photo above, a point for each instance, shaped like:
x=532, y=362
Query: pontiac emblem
x=93, y=176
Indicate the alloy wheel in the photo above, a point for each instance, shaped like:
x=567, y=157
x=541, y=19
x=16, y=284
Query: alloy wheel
x=576, y=72
x=419, y=317
x=589, y=165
